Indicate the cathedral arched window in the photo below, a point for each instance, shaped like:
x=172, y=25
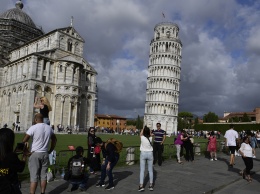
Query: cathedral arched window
x=69, y=45
x=61, y=69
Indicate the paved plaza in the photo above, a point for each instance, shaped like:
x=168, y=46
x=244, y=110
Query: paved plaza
x=200, y=176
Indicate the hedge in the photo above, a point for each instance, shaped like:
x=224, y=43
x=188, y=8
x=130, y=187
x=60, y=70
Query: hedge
x=223, y=127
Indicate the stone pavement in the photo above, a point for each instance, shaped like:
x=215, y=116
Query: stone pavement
x=200, y=176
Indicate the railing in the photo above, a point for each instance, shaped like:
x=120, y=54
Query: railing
x=125, y=159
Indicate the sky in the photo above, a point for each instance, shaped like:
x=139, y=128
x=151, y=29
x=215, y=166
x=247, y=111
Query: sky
x=220, y=49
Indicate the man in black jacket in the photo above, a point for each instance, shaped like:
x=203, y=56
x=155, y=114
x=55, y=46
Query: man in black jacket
x=110, y=159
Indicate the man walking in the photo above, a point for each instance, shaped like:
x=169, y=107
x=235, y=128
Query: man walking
x=159, y=137
x=41, y=134
x=231, y=141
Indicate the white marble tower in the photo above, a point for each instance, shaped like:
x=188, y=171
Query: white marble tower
x=163, y=82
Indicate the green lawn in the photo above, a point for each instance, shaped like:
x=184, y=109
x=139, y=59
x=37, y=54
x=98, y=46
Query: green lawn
x=64, y=140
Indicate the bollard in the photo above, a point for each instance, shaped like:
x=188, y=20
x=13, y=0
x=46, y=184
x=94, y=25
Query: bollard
x=130, y=156
x=197, y=149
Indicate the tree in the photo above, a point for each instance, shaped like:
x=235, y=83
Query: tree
x=211, y=117
x=139, y=123
x=184, y=120
x=245, y=118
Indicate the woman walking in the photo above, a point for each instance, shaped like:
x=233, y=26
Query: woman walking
x=247, y=156
x=146, y=154
x=45, y=108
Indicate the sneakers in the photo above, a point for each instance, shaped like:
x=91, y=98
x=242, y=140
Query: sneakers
x=215, y=159
x=141, y=188
x=150, y=188
x=109, y=187
x=211, y=159
x=100, y=185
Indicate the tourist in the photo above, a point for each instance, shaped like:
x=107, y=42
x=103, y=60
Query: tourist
x=78, y=177
x=247, y=156
x=231, y=141
x=212, y=146
x=188, y=146
x=159, y=138
x=253, y=143
x=178, y=144
x=92, y=156
x=146, y=154
x=41, y=135
x=45, y=108
x=110, y=159
x=257, y=135
x=10, y=164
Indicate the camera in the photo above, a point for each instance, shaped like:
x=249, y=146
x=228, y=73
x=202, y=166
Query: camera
x=19, y=147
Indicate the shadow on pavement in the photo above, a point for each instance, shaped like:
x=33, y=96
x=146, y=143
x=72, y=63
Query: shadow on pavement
x=62, y=187
x=118, y=176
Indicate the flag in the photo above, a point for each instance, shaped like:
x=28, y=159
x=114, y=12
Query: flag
x=163, y=15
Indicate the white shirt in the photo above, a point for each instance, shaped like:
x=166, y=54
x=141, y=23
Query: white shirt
x=231, y=135
x=145, y=144
x=246, y=149
x=41, y=134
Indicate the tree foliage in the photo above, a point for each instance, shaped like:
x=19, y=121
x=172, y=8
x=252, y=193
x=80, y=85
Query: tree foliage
x=211, y=117
x=245, y=118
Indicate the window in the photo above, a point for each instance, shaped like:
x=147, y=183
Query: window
x=69, y=46
x=164, y=111
x=44, y=65
x=44, y=78
x=60, y=68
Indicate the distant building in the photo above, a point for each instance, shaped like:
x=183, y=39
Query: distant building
x=36, y=64
x=254, y=116
x=163, y=82
x=113, y=122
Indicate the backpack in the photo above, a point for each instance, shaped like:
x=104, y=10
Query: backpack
x=77, y=168
x=116, y=143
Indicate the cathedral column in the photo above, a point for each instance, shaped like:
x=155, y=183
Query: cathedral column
x=69, y=116
x=48, y=70
x=41, y=71
x=76, y=113
x=53, y=110
x=61, y=109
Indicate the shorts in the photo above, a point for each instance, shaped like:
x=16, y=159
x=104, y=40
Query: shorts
x=232, y=149
x=38, y=166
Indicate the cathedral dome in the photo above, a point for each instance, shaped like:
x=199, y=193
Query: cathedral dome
x=18, y=15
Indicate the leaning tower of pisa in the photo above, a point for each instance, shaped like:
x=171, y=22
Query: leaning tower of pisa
x=163, y=82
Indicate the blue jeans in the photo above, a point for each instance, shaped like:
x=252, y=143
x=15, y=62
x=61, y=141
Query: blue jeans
x=81, y=183
x=46, y=121
x=146, y=156
x=105, y=172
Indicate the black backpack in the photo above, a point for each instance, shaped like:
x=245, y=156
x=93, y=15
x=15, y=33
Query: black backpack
x=77, y=168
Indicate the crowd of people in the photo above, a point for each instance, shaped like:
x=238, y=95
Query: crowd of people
x=151, y=150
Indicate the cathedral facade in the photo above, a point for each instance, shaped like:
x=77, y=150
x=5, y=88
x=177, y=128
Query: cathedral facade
x=163, y=82
x=35, y=64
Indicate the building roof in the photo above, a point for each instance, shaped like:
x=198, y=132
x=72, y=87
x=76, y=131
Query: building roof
x=109, y=116
x=18, y=14
x=239, y=114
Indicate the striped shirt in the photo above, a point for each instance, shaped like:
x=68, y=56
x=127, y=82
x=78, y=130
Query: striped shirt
x=158, y=135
